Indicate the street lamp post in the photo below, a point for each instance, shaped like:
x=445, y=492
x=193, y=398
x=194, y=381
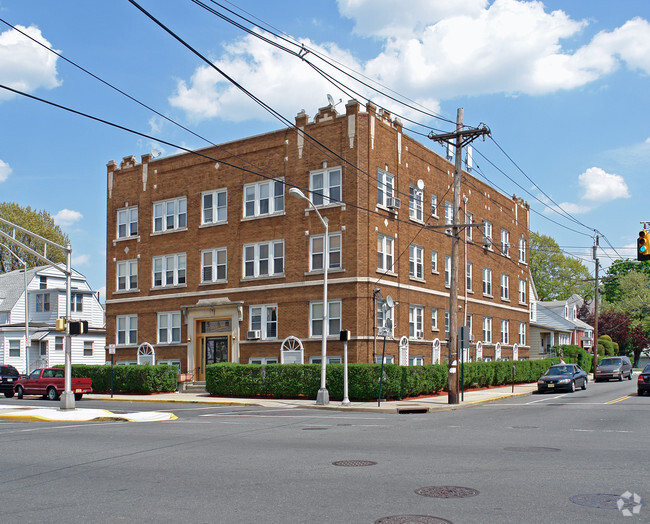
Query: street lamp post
x=323, y=397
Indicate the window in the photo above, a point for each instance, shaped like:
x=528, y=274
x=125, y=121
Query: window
x=416, y=321
x=487, y=234
x=434, y=205
x=505, y=331
x=127, y=275
x=264, y=319
x=42, y=282
x=505, y=287
x=329, y=360
x=522, y=250
x=522, y=333
x=263, y=198
x=385, y=187
x=214, y=263
x=487, y=330
x=264, y=259
x=469, y=219
x=470, y=322
x=505, y=243
x=14, y=348
x=169, y=215
x=316, y=249
x=325, y=186
x=388, y=359
x=262, y=361
x=415, y=203
x=384, y=253
x=447, y=321
x=58, y=343
x=88, y=348
x=76, y=302
x=447, y=270
x=127, y=222
x=487, y=281
x=416, y=361
x=169, y=270
x=42, y=302
x=469, y=271
x=316, y=318
x=127, y=329
x=434, y=262
x=563, y=339
x=215, y=206
x=169, y=327
x=385, y=317
x=522, y=291
x=449, y=215
x=416, y=261
x=434, y=319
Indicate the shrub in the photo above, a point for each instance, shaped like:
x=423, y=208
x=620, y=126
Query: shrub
x=129, y=379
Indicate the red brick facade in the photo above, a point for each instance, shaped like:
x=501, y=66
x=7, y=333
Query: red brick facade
x=201, y=313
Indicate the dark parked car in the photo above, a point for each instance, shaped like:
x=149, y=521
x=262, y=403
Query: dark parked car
x=613, y=367
x=562, y=376
x=8, y=376
x=643, y=384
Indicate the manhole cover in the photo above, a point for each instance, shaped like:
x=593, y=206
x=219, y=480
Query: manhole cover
x=412, y=519
x=312, y=428
x=604, y=501
x=447, y=492
x=354, y=463
x=533, y=449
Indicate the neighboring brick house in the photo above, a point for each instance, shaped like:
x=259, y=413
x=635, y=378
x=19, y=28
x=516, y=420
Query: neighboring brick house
x=46, y=291
x=207, y=262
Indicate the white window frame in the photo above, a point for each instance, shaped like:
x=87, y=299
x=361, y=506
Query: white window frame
x=416, y=211
x=76, y=302
x=172, y=210
x=522, y=333
x=316, y=251
x=385, y=253
x=14, y=348
x=216, y=261
x=522, y=291
x=127, y=272
x=447, y=270
x=330, y=191
x=58, y=343
x=43, y=304
x=434, y=206
x=505, y=243
x=487, y=234
x=129, y=329
x=469, y=219
x=416, y=361
x=127, y=220
x=260, y=317
x=388, y=359
x=385, y=187
x=470, y=322
x=505, y=331
x=434, y=261
x=88, y=348
x=447, y=323
x=416, y=320
x=390, y=315
x=469, y=276
x=166, y=266
x=487, y=281
x=255, y=265
x=449, y=215
x=487, y=330
x=334, y=318
x=169, y=327
x=263, y=361
x=505, y=286
x=316, y=359
x=416, y=261
x=522, y=250
x=263, y=198
x=217, y=211
x=434, y=319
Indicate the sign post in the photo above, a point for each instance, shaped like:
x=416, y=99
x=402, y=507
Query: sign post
x=111, y=351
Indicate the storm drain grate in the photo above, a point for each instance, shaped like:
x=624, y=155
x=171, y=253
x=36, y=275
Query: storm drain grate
x=447, y=492
x=354, y=463
x=533, y=449
x=412, y=519
x=605, y=501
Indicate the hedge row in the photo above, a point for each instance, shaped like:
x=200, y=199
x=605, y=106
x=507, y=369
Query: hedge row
x=129, y=379
x=296, y=380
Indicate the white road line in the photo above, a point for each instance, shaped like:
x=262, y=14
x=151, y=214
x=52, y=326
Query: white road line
x=307, y=417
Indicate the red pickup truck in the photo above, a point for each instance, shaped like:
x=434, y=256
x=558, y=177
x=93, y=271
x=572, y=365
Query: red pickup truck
x=50, y=382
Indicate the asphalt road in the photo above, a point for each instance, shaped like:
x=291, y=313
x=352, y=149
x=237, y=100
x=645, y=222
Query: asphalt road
x=522, y=459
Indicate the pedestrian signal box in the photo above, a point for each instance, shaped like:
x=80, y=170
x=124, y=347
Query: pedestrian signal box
x=60, y=324
x=79, y=327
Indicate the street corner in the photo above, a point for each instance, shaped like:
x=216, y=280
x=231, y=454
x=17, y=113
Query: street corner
x=83, y=415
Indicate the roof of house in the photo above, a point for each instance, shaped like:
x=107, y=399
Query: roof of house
x=12, y=286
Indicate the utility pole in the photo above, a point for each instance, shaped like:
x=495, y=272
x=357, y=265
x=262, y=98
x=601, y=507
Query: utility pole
x=596, y=290
x=458, y=139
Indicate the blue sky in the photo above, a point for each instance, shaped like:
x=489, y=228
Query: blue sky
x=563, y=86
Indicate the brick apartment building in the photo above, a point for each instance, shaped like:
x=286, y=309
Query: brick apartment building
x=210, y=259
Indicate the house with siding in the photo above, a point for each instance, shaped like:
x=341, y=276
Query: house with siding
x=44, y=292
x=209, y=259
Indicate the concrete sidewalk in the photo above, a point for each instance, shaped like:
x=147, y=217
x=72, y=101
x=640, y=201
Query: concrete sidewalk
x=26, y=412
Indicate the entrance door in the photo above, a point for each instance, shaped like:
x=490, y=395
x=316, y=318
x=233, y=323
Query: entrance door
x=216, y=350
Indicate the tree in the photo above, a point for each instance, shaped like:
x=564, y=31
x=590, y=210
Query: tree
x=620, y=268
x=39, y=222
x=557, y=276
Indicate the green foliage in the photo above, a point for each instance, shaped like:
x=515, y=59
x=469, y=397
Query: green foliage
x=612, y=291
x=556, y=275
x=39, y=222
x=129, y=379
x=605, y=342
x=578, y=355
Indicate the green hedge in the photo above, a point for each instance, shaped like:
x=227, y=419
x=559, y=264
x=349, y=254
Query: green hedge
x=129, y=379
x=579, y=356
x=296, y=380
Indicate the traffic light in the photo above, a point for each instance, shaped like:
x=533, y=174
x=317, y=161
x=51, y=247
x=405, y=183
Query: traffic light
x=60, y=324
x=643, y=245
x=79, y=327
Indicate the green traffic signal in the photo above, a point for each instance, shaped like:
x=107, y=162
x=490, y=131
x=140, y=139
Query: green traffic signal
x=643, y=246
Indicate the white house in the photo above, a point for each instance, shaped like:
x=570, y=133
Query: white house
x=42, y=345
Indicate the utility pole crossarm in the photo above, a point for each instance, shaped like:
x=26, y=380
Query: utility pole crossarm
x=465, y=135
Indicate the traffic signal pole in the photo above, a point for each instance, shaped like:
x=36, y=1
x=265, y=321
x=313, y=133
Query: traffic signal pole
x=596, y=290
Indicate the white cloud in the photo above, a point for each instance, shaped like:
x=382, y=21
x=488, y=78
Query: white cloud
x=25, y=65
x=600, y=186
x=102, y=294
x=80, y=260
x=67, y=217
x=570, y=207
x=5, y=171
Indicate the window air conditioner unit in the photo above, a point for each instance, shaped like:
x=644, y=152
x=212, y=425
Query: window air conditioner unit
x=393, y=203
x=487, y=243
x=253, y=334
x=419, y=334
